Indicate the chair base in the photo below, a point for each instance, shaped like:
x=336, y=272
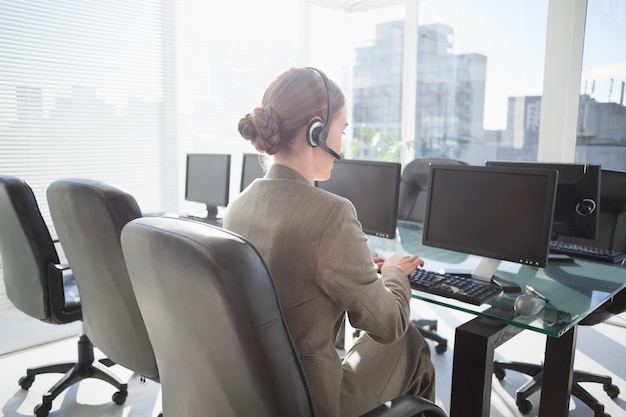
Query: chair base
x=428, y=329
x=534, y=385
x=84, y=368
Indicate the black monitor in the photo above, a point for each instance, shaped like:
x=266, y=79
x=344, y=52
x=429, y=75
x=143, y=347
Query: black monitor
x=576, y=213
x=251, y=169
x=499, y=213
x=373, y=189
x=207, y=181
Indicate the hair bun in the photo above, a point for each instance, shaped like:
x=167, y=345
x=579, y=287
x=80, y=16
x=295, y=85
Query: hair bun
x=261, y=129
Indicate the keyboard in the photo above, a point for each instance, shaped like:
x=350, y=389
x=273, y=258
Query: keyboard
x=459, y=287
x=576, y=250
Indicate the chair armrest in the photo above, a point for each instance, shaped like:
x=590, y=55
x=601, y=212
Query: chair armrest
x=60, y=266
x=407, y=406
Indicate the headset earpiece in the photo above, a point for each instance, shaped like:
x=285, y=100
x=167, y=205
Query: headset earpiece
x=314, y=132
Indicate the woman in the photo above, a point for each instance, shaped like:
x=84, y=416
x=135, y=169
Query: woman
x=313, y=245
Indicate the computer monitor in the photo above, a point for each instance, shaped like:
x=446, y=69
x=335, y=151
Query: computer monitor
x=251, y=169
x=207, y=181
x=499, y=213
x=612, y=216
x=373, y=188
x=577, y=209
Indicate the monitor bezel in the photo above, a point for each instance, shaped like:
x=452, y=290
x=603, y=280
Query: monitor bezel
x=215, y=199
x=246, y=160
x=550, y=197
x=390, y=228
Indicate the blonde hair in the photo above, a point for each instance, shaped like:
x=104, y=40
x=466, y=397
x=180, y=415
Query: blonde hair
x=294, y=98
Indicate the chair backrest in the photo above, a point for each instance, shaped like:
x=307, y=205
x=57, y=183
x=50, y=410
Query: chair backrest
x=414, y=187
x=32, y=283
x=89, y=216
x=213, y=315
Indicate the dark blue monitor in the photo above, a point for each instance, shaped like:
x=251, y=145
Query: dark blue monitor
x=251, y=169
x=373, y=188
x=499, y=213
x=207, y=180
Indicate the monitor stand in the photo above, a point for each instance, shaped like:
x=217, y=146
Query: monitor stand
x=486, y=271
x=554, y=257
x=210, y=218
x=211, y=212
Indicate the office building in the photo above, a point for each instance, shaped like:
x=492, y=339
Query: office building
x=449, y=97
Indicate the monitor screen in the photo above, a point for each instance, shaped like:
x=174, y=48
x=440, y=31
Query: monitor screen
x=499, y=213
x=373, y=189
x=576, y=213
x=251, y=169
x=207, y=181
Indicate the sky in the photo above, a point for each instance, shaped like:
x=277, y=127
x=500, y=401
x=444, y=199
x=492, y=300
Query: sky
x=511, y=33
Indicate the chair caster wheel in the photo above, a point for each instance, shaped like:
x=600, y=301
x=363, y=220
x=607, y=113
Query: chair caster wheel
x=42, y=410
x=611, y=390
x=499, y=373
x=524, y=406
x=119, y=397
x=26, y=381
x=441, y=348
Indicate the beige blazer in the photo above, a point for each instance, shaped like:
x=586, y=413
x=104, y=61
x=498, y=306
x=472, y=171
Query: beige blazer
x=319, y=259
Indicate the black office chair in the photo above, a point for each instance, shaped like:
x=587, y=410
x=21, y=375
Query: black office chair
x=612, y=235
x=412, y=207
x=88, y=216
x=40, y=286
x=209, y=289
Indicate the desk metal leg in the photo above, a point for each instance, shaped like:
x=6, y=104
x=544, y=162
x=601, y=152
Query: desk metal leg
x=472, y=367
x=556, y=386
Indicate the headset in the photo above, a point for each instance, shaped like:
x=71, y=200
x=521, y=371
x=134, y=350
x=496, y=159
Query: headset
x=317, y=132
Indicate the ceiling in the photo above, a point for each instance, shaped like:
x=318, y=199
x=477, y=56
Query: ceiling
x=351, y=6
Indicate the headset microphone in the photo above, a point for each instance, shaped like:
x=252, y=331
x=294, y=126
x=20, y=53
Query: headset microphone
x=323, y=145
x=317, y=132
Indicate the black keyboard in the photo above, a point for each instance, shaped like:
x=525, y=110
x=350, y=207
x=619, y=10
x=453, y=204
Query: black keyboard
x=576, y=250
x=460, y=287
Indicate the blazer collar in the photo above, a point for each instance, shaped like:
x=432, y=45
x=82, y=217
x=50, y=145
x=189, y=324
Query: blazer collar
x=283, y=172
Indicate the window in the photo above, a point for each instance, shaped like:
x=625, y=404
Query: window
x=121, y=91
x=83, y=92
x=601, y=127
x=477, y=75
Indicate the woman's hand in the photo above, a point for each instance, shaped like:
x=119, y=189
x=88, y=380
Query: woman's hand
x=406, y=263
x=378, y=261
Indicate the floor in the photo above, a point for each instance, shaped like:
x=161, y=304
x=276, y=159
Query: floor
x=600, y=348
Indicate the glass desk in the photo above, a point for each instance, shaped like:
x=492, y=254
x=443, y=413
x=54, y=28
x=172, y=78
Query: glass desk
x=574, y=289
